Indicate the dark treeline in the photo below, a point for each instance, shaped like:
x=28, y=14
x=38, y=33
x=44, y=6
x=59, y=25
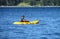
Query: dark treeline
x=30, y=2
x=9, y=2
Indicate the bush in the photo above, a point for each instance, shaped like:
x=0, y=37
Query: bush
x=23, y=4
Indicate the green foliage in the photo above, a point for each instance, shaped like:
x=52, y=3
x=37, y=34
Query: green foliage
x=23, y=4
x=30, y=2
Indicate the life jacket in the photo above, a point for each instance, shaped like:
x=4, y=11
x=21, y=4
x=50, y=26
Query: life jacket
x=24, y=21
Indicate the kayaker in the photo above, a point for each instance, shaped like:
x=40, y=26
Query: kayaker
x=22, y=19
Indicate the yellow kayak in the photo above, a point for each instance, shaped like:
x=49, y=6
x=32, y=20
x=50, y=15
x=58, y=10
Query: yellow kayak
x=33, y=22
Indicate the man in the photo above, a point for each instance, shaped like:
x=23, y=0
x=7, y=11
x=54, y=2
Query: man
x=22, y=19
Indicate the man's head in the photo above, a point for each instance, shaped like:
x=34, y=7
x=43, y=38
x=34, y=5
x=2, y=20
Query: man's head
x=22, y=16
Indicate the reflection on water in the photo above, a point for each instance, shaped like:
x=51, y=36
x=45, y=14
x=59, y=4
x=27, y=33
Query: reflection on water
x=48, y=27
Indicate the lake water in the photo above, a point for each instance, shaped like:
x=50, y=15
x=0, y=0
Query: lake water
x=48, y=27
